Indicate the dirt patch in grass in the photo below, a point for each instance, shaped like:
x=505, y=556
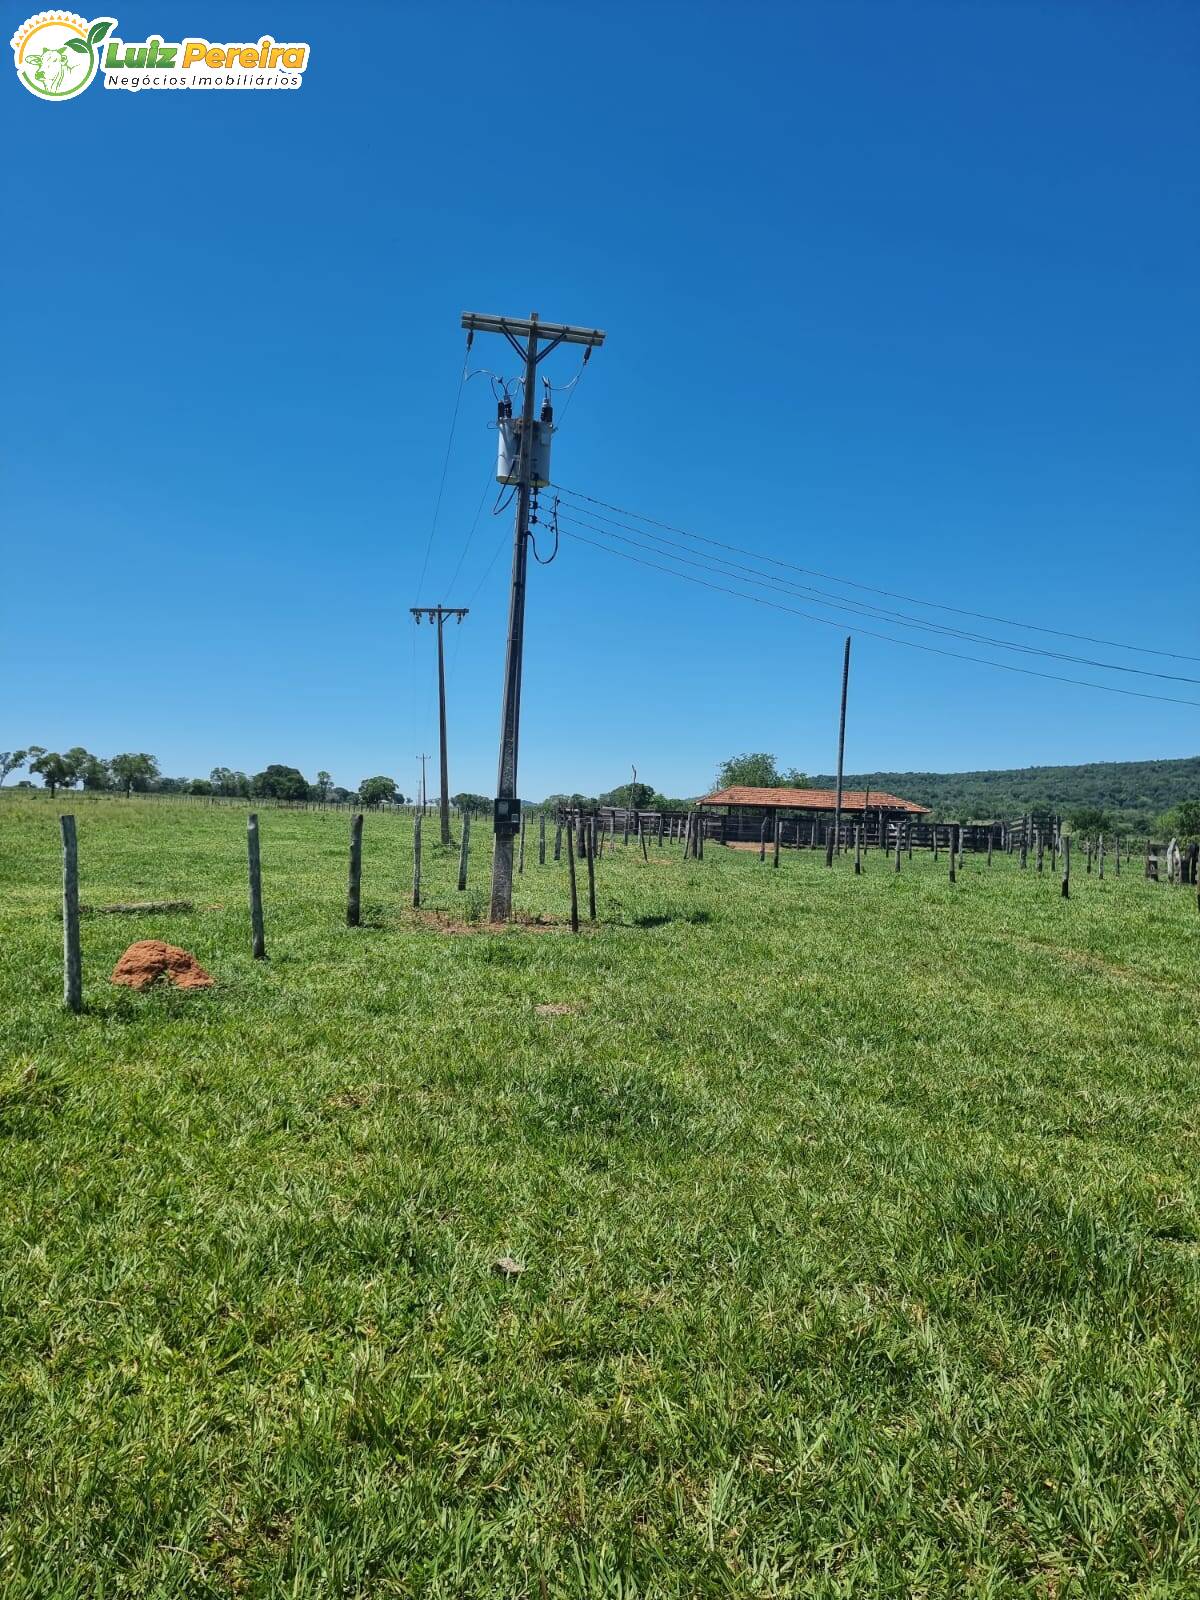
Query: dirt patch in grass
x=556, y=1008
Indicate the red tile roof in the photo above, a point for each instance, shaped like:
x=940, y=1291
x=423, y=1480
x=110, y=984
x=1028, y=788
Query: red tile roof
x=811, y=799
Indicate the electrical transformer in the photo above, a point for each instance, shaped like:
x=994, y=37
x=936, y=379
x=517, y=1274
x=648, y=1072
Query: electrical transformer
x=508, y=449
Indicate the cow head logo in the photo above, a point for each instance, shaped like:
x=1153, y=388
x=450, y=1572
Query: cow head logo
x=57, y=53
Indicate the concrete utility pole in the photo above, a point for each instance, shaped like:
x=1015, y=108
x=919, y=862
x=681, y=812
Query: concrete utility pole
x=837, y=815
x=422, y=760
x=439, y=614
x=507, y=813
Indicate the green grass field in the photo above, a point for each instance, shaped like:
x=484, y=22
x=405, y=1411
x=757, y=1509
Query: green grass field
x=859, y=1220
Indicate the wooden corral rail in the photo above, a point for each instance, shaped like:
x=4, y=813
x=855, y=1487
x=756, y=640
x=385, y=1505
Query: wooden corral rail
x=800, y=832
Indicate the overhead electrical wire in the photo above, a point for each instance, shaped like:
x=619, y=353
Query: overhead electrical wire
x=910, y=644
x=853, y=583
x=437, y=506
x=859, y=608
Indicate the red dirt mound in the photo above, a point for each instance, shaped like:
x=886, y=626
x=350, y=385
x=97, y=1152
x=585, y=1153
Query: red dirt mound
x=150, y=959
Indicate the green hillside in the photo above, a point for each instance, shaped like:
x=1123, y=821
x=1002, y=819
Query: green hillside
x=1135, y=792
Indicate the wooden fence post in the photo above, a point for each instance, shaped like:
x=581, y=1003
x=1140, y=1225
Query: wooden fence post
x=354, y=881
x=558, y=838
x=857, y=850
x=1066, y=877
x=1100, y=857
x=521, y=854
x=762, y=841
x=541, y=838
x=660, y=830
x=935, y=841
x=590, y=844
x=700, y=837
x=258, y=944
x=463, y=851
x=829, y=848
x=1118, y=858
x=641, y=833
x=571, y=875
x=953, y=853
x=417, y=859
x=897, y=847
x=72, y=955
x=775, y=862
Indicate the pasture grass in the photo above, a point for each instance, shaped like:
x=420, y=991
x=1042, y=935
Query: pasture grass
x=858, y=1217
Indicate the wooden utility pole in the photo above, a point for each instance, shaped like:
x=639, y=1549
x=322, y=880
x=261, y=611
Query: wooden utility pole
x=507, y=810
x=837, y=814
x=439, y=614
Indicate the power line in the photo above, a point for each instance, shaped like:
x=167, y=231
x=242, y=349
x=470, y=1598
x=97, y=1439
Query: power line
x=445, y=466
x=863, y=608
x=910, y=644
x=852, y=583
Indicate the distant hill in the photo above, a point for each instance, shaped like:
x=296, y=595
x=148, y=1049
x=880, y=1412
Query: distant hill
x=1135, y=792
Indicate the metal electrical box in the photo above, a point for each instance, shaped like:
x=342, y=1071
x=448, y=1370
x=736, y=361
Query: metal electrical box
x=506, y=816
x=508, y=451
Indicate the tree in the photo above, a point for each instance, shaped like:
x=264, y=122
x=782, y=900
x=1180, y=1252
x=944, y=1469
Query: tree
x=473, y=804
x=227, y=782
x=55, y=771
x=1090, y=821
x=1182, y=821
x=279, y=783
x=638, y=796
x=133, y=770
x=200, y=786
x=93, y=772
x=379, y=791
x=323, y=785
x=14, y=760
x=754, y=770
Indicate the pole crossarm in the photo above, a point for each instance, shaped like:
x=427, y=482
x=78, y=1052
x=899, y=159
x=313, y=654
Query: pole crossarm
x=434, y=612
x=511, y=327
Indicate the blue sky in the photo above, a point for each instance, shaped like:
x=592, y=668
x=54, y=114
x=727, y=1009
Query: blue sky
x=904, y=293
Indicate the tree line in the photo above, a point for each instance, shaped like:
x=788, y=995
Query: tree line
x=137, y=772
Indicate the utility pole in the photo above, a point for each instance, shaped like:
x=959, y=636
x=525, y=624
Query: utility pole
x=439, y=614
x=422, y=760
x=837, y=817
x=507, y=811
